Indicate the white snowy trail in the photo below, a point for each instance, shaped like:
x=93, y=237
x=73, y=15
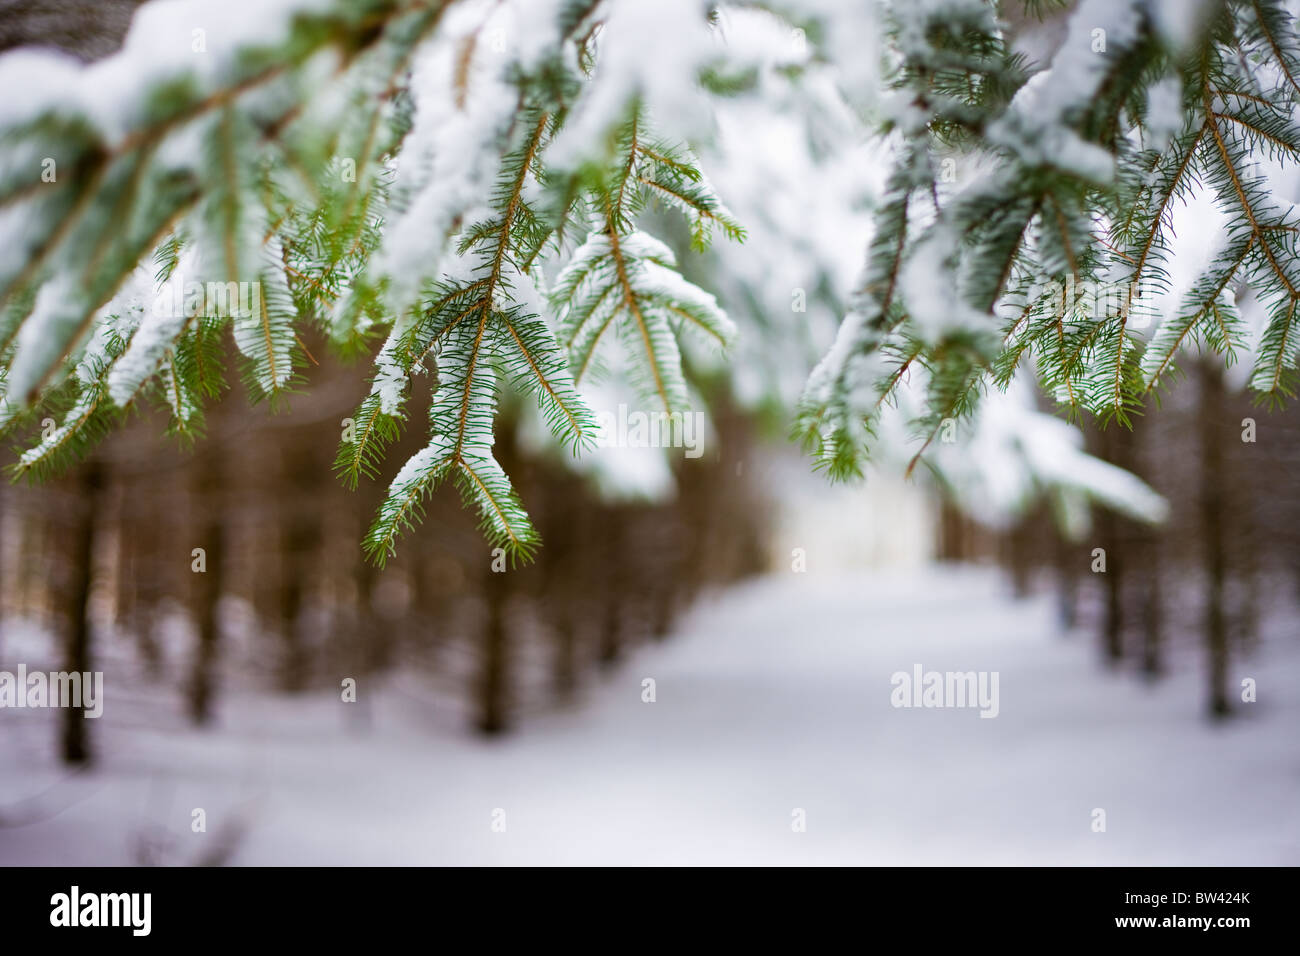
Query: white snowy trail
x=774, y=697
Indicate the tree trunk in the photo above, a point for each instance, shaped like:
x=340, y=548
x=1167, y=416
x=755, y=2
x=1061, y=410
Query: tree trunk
x=492, y=676
x=1067, y=580
x=80, y=577
x=4, y=592
x=293, y=660
x=1112, y=629
x=1248, y=533
x=1020, y=554
x=1152, y=610
x=137, y=575
x=300, y=536
x=611, y=625
x=207, y=586
x=564, y=665
x=1212, y=503
x=33, y=572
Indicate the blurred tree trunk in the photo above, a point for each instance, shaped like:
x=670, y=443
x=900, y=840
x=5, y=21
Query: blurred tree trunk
x=80, y=578
x=1212, y=529
x=358, y=649
x=954, y=533
x=137, y=572
x=564, y=666
x=608, y=647
x=492, y=687
x=300, y=536
x=293, y=659
x=569, y=529
x=35, y=530
x=373, y=642
x=1112, y=628
x=1249, y=537
x=1151, y=548
x=668, y=572
x=210, y=536
x=4, y=567
x=1020, y=552
x=1152, y=609
x=123, y=571
x=1065, y=556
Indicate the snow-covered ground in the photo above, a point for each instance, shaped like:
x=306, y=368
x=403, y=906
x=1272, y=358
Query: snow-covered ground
x=774, y=696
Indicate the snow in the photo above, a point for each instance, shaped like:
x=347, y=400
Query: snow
x=1181, y=22
x=1007, y=455
x=1036, y=127
x=622, y=472
x=160, y=323
x=1078, y=68
x=773, y=696
x=1015, y=451
x=1164, y=112
x=642, y=245
x=794, y=164
x=417, y=468
x=535, y=33
x=655, y=281
x=451, y=157
x=40, y=340
x=1198, y=235
x=262, y=335
x=862, y=371
x=525, y=292
x=584, y=259
x=649, y=52
x=86, y=373
x=934, y=308
x=391, y=378
x=166, y=41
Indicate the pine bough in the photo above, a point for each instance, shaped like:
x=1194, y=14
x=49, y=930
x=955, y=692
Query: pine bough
x=1082, y=163
x=464, y=185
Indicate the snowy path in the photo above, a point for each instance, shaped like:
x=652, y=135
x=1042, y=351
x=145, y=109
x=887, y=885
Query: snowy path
x=773, y=696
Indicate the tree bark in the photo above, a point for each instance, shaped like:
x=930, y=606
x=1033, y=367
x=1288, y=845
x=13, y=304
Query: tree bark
x=492, y=689
x=608, y=647
x=210, y=537
x=1067, y=580
x=1112, y=629
x=1152, y=609
x=80, y=578
x=1212, y=503
x=1020, y=554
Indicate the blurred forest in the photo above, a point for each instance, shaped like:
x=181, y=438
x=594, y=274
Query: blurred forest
x=107, y=553
x=1228, y=553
